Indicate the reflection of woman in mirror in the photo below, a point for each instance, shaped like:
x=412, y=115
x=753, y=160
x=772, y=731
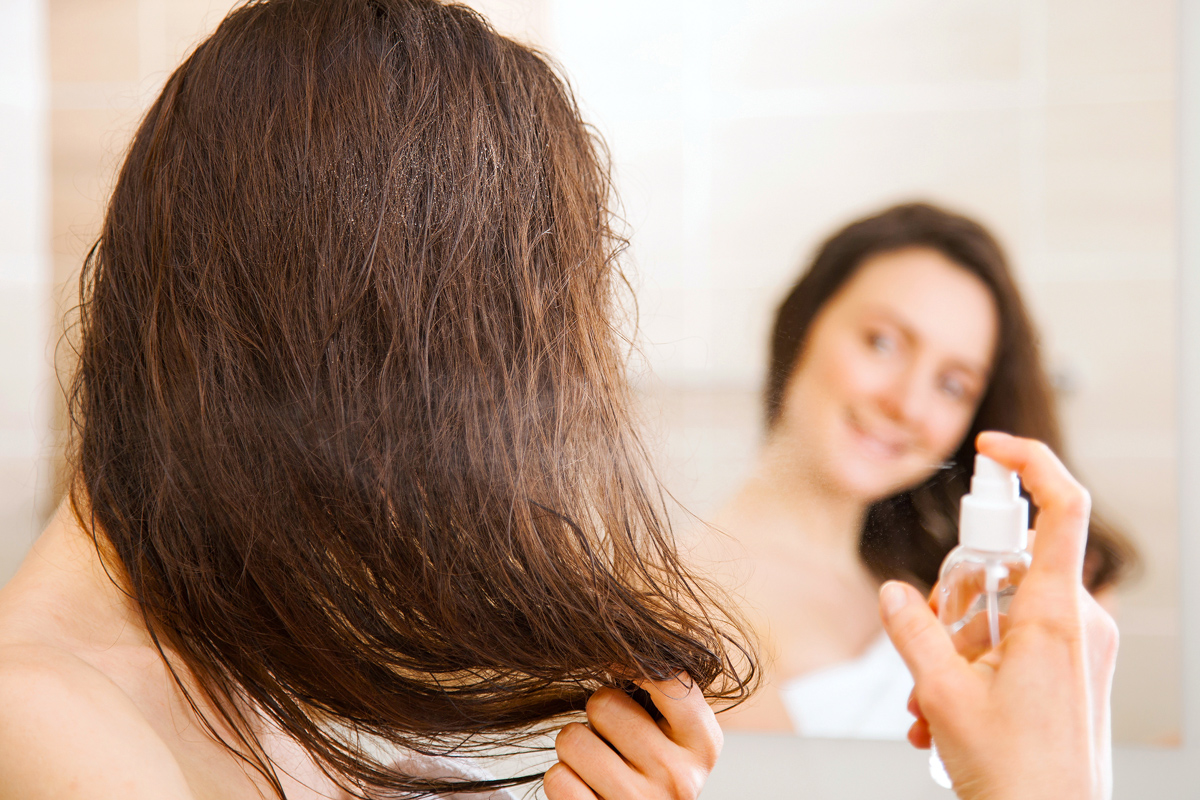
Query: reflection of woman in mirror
x=905, y=339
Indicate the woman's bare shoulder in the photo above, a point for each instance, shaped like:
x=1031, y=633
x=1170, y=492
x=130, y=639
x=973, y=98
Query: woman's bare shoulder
x=66, y=730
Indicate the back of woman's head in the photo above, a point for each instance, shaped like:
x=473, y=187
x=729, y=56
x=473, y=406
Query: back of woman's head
x=908, y=535
x=350, y=409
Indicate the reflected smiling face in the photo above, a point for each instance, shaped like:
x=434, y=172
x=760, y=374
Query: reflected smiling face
x=891, y=373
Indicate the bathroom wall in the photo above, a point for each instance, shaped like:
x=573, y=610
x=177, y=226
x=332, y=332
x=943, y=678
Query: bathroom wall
x=24, y=278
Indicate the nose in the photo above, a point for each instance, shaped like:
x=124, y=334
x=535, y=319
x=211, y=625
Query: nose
x=906, y=397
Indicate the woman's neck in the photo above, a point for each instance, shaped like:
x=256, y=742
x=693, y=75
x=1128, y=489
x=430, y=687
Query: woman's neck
x=67, y=590
x=792, y=554
x=786, y=506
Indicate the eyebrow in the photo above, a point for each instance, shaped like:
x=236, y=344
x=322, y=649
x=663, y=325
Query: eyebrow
x=909, y=331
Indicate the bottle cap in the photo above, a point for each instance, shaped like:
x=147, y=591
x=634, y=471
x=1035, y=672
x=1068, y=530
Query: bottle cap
x=994, y=516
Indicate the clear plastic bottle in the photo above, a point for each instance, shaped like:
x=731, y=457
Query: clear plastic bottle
x=979, y=577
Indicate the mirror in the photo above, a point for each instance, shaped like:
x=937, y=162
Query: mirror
x=741, y=136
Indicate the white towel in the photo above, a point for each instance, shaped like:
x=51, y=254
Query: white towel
x=864, y=698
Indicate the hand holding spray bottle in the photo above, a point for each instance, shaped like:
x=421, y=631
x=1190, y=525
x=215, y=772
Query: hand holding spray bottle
x=979, y=577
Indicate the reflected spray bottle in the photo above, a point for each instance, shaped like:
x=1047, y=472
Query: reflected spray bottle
x=979, y=577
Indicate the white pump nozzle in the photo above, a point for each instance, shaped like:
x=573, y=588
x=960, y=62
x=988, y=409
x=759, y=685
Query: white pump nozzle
x=994, y=516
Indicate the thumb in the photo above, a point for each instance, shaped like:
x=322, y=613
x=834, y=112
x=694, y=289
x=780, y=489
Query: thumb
x=916, y=633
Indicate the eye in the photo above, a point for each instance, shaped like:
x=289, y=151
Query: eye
x=953, y=388
x=881, y=343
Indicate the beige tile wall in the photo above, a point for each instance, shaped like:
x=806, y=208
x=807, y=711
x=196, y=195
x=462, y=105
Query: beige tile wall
x=25, y=375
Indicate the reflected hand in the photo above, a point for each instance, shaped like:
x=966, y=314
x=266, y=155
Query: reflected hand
x=624, y=754
x=1030, y=719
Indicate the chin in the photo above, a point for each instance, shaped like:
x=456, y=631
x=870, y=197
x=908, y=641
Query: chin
x=873, y=481
x=873, y=491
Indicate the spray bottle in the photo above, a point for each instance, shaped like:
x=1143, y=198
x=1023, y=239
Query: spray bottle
x=979, y=577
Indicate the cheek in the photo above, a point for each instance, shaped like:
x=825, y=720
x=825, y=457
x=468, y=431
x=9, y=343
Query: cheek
x=851, y=373
x=947, y=427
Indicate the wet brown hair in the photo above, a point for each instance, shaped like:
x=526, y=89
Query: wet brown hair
x=908, y=534
x=350, y=405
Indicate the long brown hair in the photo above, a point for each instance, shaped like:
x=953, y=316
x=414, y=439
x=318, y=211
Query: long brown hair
x=908, y=534
x=350, y=407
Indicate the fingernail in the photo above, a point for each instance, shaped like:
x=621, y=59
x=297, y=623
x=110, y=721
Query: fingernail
x=894, y=598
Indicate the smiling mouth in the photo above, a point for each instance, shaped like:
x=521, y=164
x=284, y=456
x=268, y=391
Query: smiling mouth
x=889, y=447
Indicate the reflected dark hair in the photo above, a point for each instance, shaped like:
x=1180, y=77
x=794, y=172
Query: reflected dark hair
x=909, y=534
x=350, y=404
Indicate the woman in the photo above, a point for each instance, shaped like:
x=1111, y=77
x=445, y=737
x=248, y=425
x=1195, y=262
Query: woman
x=355, y=487
x=355, y=478
x=905, y=339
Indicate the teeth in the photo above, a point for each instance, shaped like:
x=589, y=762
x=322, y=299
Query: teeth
x=891, y=448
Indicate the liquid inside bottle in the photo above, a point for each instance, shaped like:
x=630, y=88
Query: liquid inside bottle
x=975, y=589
